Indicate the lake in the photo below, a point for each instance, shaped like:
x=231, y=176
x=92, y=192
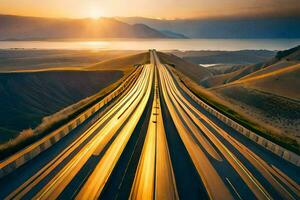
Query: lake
x=159, y=44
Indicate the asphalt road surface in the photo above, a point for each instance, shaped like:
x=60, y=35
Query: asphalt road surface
x=154, y=142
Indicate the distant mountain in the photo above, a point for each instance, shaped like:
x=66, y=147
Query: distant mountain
x=226, y=28
x=31, y=28
x=173, y=34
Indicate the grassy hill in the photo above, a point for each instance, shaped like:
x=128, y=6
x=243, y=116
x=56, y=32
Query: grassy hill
x=28, y=97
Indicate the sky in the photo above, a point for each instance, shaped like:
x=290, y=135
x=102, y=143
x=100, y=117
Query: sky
x=164, y=9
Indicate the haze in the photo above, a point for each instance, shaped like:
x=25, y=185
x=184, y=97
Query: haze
x=150, y=99
x=167, y=9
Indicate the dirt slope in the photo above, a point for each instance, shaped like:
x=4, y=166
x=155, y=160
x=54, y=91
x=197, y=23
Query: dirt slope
x=195, y=72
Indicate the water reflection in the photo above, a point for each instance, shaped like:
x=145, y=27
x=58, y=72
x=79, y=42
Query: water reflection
x=160, y=44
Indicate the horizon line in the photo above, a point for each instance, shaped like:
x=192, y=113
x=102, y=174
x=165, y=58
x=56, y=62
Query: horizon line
x=227, y=17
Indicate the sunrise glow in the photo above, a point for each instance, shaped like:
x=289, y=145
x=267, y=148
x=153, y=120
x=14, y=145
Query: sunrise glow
x=164, y=9
x=94, y=13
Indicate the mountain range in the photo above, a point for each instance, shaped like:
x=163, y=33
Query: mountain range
x=234, y=27
x=36, y=28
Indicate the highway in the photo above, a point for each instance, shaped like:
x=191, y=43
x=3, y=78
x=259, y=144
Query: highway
x=154, y=142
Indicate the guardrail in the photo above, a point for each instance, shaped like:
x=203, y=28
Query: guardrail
x=267, y=144
x=20, y=158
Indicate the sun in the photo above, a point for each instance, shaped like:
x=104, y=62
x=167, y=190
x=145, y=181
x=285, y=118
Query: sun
x=94, y=13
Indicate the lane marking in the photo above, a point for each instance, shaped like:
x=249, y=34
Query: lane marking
x=236, y=192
